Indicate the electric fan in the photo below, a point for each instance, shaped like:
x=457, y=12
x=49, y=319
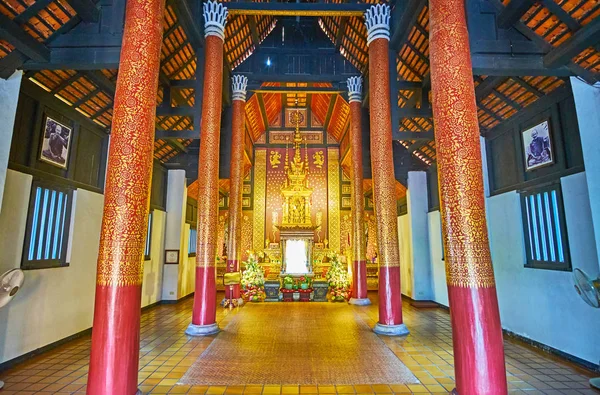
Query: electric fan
x=10, y=283
x=589, y=290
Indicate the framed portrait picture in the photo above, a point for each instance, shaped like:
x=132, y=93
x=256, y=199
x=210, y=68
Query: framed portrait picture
x=171, y=257
x=56, y=141
x=537, y=146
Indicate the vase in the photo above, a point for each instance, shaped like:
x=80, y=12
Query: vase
x=288, y=286
x=304, y=286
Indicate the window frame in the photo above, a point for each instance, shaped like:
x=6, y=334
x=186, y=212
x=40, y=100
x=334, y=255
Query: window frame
x=61, y=261
x=190, y=244
x=532, y=263
x=148, y=242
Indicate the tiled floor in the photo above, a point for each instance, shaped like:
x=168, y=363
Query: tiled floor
x=167, y=353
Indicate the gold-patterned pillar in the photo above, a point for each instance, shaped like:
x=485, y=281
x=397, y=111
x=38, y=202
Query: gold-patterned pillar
x=357, y=197
x=204, y=313
x=377, y=19
x=476, y=329
x=236, y=180
x=333, y=192
x=116, y=336
x=260, y=191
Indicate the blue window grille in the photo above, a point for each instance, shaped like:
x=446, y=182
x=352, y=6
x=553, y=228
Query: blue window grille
x=193, y=236
x=48, y=223
x=546, y=241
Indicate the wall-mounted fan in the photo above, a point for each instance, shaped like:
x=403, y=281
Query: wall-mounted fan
x=589, y=290
x=10, y=283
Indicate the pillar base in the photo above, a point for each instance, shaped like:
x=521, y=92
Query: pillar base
x=391, y=330
x=202, y=330
x=360, y=301
x=138, y=392
x=595, y=383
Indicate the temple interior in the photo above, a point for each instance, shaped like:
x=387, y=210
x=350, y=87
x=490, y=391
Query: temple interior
x=299, y=197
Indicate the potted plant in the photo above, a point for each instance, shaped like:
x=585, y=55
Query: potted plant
x=253, y=280
x=304, y=282
x=288, y=282
x=337, y=276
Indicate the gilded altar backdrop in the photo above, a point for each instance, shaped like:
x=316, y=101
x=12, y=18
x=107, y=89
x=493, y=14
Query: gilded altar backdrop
x=317, y=181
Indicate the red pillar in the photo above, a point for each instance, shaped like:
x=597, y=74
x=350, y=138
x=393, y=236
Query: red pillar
x=359, y=269
x=236, y=179
x=382, y=163
x=204, y=314
x=476, y=330
x=116, y=331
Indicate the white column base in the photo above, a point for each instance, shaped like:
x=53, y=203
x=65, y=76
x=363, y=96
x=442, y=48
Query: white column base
x=391, y=330
x=360, y=301
x=202, y=330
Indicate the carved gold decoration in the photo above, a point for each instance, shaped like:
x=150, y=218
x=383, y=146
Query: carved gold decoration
x=275, y=159
x=296, y=193
x=333, y=183
x=318, y=159
x=260, y=185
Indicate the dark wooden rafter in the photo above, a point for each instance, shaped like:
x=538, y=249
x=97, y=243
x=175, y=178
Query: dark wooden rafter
x=31, y=11
x=407, y=17
x=263, y=110
x=294, y=9
x=513, y=12
x=340, y=33
x=587, y=36
x=85, y=9
x=545, y=46
x=23, y=42
x=253, y=30
x=329, y=112
x=190, y=21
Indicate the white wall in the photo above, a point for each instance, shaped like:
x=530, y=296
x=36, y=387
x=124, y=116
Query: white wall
x=59, y=302
x=9, y=97
x=436, y=252
x=541, y=305
x=587, y=104
x=53, y=303
x=153, y=268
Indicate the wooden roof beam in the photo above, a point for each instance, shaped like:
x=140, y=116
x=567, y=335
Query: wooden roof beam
x=22, y=41
x=297, y=9
x=86, y=10
x=587, y=75
x=408, y=17
x=253, y=30
x=513, y=12
x=587, y=36
x=187, y=17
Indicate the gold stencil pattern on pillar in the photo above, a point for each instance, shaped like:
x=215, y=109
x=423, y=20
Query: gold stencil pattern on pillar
x=127, y=194
x=333, y=181
x=468, y=261
x=260, y=180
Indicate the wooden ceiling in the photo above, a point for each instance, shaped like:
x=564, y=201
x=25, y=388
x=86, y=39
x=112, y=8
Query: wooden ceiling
x=566, y=33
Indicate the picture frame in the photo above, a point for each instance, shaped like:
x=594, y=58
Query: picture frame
x=537, y=145
x=56, y=142
x=171, y=257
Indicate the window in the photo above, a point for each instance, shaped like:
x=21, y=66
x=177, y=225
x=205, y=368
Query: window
x=147, y=248
x=48, y=223
x=192, y=242
x=544, y=227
